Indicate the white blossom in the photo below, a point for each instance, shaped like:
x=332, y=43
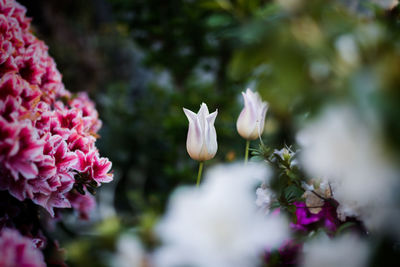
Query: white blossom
x=346, y=151
x=347, y=48
x=217, y=224
x=129, y=252
x=264, y=199
x=343, y=251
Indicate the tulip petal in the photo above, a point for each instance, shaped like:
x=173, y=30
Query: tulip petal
x=211, y=117
x=250, y=123
x=247, y=118
x=190, y=114
x=201, y=116
x=193, y=141
x=201, y=142
x=211, y=135
x=195, y=126
x=264, y=108
x=203, y=110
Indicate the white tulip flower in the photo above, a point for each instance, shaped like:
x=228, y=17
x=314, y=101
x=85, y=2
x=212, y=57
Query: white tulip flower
x=250, y=123
x=201, y=142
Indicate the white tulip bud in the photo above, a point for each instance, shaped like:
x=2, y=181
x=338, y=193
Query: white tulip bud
x=201, y=142
x=250, y=123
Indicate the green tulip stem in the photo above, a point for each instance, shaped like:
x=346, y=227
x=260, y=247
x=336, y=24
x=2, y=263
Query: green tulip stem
x=199, y=173
x=246, y=155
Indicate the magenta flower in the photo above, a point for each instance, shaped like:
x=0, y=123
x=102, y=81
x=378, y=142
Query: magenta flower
x=289, y=252
x=16, y=250
x=51, y=201
x=94, y=166
x=306, y=220
x=83, y=204
x=64, y=158
x=77, y=142
x=70, y=119
x=21, y=149
x=90, y=116
x=9, y=86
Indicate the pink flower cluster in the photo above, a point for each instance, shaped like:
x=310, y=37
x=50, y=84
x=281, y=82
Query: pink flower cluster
x=47, y=135
x=16, y=250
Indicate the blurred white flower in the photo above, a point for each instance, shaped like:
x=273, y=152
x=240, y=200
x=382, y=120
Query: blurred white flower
x=341, y=148
x=319, y=70
x=217, y=224
x=201, y=142
x=264, y=198
x=347, y=48
x=130, y=252
x=250, y=123
x=343, y=251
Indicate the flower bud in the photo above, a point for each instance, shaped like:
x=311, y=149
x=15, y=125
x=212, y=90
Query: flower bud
x=250, y=123
x=201, y=142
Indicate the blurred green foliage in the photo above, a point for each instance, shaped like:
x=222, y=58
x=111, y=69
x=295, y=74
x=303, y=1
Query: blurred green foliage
x=317, y=52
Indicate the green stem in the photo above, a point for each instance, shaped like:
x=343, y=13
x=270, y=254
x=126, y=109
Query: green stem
x=199, y=173
x=246, y=155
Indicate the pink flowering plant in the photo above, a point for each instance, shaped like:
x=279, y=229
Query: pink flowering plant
x=48, y=156
x=17, y=250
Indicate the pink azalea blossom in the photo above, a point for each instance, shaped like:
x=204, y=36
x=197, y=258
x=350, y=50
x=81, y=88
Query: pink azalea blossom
x=47, y=137
x=22, y=149
x=16, y=250
x=83, y=204
x=89, y=113
x=94, y=166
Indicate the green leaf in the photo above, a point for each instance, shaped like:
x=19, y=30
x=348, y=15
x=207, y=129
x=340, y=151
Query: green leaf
x=219, y=21
x=256, y=158
x=292, y=193
x=275, y=205
x=344, y=227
